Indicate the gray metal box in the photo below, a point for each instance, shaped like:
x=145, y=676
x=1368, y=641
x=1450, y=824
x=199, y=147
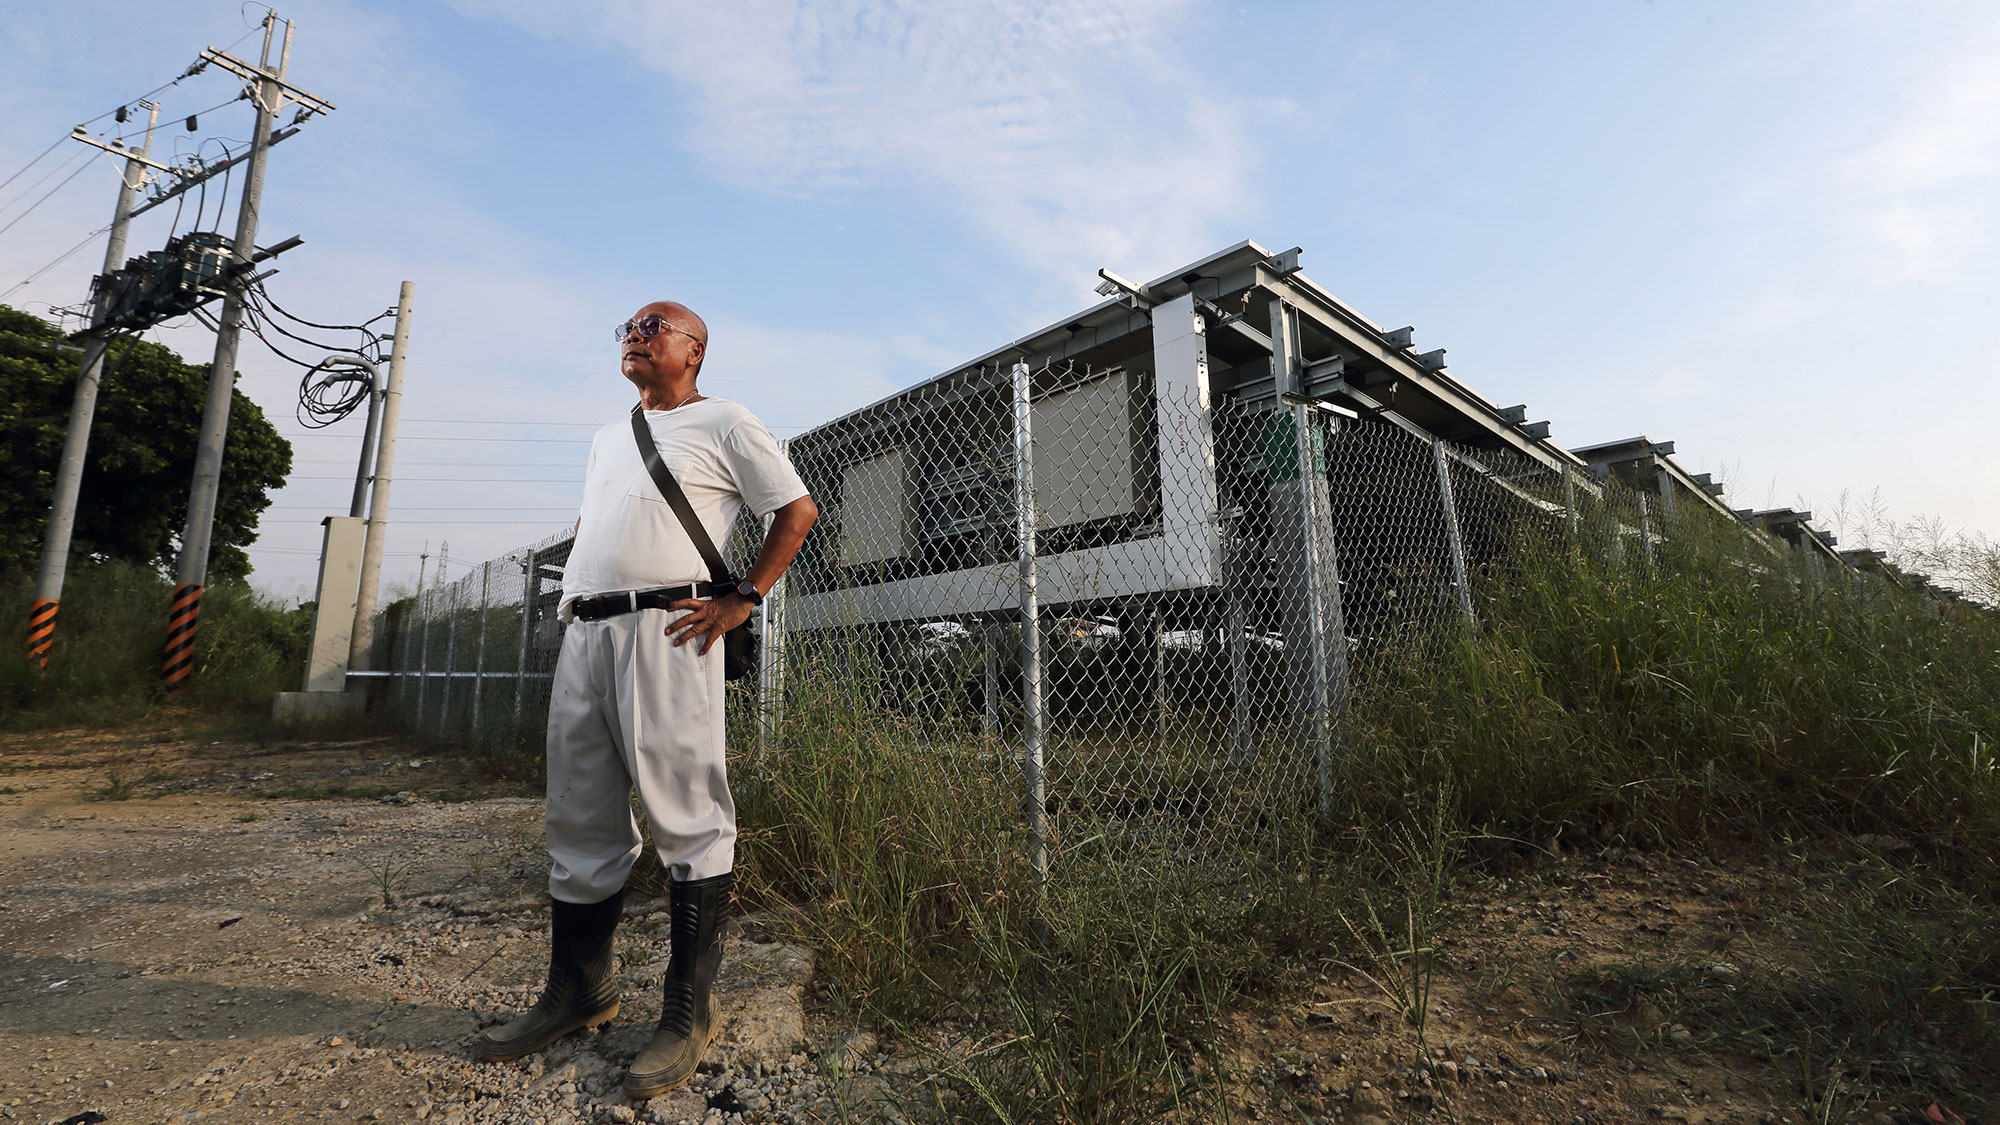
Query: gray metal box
x=1083, y=452
x=874, y=510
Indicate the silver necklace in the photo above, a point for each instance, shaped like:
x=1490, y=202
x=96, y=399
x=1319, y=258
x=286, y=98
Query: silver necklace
x=685, y=401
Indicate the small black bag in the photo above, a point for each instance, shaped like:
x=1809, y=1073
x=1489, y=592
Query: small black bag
x=739, y=645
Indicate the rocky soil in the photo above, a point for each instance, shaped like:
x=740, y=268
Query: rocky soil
x=203, y=951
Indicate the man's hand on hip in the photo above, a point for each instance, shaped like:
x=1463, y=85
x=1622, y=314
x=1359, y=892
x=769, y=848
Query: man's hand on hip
x=708, y=619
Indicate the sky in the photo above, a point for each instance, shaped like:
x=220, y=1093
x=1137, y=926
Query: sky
x=1765, y=232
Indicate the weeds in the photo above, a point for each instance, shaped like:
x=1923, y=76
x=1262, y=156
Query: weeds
x=1402, y=954
x=388, y=877
x=116, y=787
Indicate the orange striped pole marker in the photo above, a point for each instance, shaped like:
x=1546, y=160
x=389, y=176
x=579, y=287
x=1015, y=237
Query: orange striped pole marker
x=181, y=620
x=41, y=632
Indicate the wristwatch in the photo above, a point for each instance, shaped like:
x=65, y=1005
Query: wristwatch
x=747, y=590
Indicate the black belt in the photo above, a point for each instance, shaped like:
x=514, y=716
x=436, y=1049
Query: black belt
x=631, y=601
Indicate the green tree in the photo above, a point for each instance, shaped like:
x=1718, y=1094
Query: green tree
x=134, y=495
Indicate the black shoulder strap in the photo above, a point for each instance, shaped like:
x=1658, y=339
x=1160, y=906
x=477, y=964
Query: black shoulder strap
x=663, y=478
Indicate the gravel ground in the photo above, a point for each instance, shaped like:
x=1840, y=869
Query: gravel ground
x=228, y=957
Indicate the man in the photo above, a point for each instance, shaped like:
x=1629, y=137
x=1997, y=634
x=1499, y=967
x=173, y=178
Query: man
x=638, y=696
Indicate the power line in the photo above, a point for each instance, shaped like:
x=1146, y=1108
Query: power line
x=61, y=166
x=81, y=168
x=32, y=163
x=265, y=295
x=193, y=69
x=59, y=259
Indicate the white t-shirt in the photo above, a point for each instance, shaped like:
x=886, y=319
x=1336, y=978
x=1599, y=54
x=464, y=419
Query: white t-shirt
x=629, y=539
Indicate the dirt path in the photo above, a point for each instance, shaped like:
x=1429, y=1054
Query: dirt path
x=216, y=953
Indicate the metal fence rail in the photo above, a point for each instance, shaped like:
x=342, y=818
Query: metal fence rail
x=1125, y=603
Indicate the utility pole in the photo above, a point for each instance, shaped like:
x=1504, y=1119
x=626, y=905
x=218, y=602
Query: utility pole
x=378, y=502
x=69, y=473
x=269, y=90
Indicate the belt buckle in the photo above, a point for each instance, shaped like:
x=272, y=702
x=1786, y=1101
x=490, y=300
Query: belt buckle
x=632, y=596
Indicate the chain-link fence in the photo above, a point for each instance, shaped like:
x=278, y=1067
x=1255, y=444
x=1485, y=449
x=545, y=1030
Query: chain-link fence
x=1208, y=587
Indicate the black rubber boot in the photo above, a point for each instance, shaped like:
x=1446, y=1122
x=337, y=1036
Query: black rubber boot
x=687, y=1015
x=582, y=990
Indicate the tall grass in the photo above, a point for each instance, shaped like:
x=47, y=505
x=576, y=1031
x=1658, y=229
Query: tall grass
x=898, y=852
x=1715, y=692
x=106, y=662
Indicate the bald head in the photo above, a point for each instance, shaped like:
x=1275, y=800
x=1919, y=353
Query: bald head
x=664, y=365
x=683, y=318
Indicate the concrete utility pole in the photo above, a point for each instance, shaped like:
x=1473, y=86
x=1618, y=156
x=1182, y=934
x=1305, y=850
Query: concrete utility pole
x=269, y=90
x=69, y=473
x=378, y=502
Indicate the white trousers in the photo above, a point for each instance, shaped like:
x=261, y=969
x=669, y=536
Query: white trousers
x=629, y=709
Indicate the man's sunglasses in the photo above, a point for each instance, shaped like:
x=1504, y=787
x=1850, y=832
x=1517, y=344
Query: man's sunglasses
x=647, y=328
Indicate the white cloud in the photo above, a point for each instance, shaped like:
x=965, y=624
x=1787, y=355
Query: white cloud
x=1916, y=191
x=1073, y=133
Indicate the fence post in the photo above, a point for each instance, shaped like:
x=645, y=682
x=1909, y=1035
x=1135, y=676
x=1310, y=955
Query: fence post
x=1569, y=502
x=1239, y=681
x=1031, y=632
x=1156, y=632
x=424, y=599
x=479, y=667
x=771, y=669
x=1645, y=531
x=530, y=581
x=402, y=659
x=1302, y=514
x=1451, y=530
x=450, y=659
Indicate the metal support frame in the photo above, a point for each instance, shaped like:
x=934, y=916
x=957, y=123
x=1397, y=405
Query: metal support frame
x=1449, y=497
x=1031, y=630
